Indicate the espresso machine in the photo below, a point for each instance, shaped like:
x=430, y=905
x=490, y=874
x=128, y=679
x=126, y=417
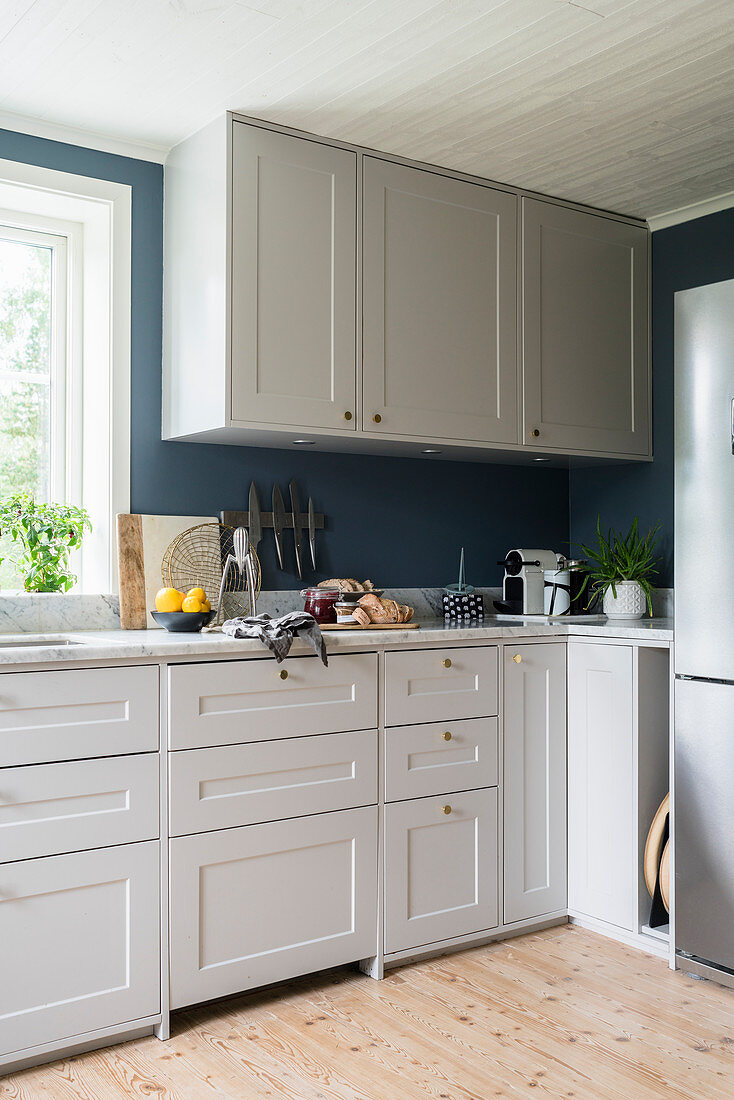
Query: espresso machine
x=524, y=582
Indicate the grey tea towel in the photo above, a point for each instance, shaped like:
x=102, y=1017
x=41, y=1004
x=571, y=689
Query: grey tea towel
x=278, y=634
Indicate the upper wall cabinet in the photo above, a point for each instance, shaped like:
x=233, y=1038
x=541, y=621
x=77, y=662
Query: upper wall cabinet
x=439, y=321
x=585, y=310
x=315, y=292
x=293, y=280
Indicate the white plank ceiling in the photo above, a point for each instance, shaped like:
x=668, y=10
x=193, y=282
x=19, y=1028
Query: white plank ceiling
x=624, y=104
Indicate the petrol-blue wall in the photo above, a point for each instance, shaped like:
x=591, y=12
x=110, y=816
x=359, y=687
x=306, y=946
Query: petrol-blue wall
x=399, y=521
x=692, y=254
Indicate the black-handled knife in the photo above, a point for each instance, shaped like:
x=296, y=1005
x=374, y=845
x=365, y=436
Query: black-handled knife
x=312, y=531
x=296, y=511
x=278, y=523
x=255, y=526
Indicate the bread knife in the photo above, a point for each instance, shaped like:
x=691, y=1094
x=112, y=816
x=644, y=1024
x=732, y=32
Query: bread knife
x=278, y=523
x=295, y=508
x=255, y=526
x=312, y=531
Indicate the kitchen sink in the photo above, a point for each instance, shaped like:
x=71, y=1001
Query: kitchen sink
x=48, y=642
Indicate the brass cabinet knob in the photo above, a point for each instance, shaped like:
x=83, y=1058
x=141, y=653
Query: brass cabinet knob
x=283, y=673
x=517, y=658
x=377, y=418
x=536, y=432
x=446, y=662
x=447, y=735
x=446, y=810
x=347, y=416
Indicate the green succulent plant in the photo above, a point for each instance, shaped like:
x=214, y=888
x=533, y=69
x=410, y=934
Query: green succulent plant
x=617, y=557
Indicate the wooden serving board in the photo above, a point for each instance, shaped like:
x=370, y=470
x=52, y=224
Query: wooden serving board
x=372, y=626
x=141, y=543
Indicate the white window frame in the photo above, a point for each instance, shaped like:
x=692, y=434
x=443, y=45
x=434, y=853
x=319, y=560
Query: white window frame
x=96, y=218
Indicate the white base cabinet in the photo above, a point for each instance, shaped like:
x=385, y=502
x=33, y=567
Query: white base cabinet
x=535, y=780
x=258, y=904
x=80, y=944
x=440, y=868
x=618, y=736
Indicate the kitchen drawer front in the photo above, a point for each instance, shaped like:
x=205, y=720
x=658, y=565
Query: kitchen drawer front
x=233, y=702
x=85, y=936
x=440, y=685
x=268, y=902
x=441, y=757
x=48, y=809
x=77, y=713
x=247, y=784
x=441, y=869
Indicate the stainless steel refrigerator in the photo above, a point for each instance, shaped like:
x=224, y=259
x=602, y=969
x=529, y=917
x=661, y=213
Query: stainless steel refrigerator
x=704, y=630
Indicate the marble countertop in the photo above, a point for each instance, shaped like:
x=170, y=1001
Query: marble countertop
x=118, y=645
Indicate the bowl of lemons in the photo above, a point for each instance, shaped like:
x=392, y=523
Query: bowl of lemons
x=182, y=612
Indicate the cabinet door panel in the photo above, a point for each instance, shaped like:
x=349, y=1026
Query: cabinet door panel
x=77, y=713
x=439, y=291
x=440, y=757
x=440, y=685
x=602, y=862
x=586, y=367
x=48, y=809
x=233, y=702
x=293, y=280
x=535, y=780
x=267, y=902
x=84, y=930
x=247, y=784
x=440, y=868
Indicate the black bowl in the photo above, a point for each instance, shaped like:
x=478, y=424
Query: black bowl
x=183, y=622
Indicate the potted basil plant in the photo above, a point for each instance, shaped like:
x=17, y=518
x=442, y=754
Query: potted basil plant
x=45, y=534
x=620, y=569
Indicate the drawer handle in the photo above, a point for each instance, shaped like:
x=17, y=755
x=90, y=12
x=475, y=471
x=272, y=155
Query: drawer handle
x=377, y=418
x=347, y=416
x=447, y=662
x=517, y=658
x=446, y=810
x=447, y=735
x=283, y=673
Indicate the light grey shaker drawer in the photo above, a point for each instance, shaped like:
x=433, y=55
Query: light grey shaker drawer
x=49, y=809
x=234, y=702
x=246, y=784
x=441, y=757
x=440, y=685
x=77, y=713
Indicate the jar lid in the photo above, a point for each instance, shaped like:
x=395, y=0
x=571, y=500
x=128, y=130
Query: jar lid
x=324, y=590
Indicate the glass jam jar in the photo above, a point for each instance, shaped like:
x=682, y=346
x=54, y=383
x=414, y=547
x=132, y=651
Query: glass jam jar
x=320, y=602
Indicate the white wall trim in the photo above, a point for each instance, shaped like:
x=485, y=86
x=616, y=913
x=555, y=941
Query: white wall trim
x=104, y=210
x=689, y=213
x=38, y=127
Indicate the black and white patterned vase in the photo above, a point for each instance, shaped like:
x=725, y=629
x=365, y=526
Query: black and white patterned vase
x=462, y=605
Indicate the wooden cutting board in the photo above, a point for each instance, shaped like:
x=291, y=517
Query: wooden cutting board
x=372, y=626
x=141, y=543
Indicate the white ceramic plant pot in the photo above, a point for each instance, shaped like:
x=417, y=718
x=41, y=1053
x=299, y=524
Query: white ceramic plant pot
x=629, y=603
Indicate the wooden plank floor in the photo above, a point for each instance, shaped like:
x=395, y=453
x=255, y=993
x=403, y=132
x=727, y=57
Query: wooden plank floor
x=558, y=1013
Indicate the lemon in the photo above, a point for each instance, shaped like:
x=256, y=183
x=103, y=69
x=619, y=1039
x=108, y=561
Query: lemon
x=168, y=599
x=192, y=604
x=197, y=594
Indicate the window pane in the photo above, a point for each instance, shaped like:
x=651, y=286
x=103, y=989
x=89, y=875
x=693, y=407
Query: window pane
x=25, y=378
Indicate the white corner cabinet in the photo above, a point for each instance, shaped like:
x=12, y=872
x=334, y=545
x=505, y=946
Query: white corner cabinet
x=316, y=290
x=618, y=774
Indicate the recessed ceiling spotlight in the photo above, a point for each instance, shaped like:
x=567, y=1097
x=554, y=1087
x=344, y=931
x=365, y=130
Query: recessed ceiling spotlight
x=304, y=442
x=431, y=451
